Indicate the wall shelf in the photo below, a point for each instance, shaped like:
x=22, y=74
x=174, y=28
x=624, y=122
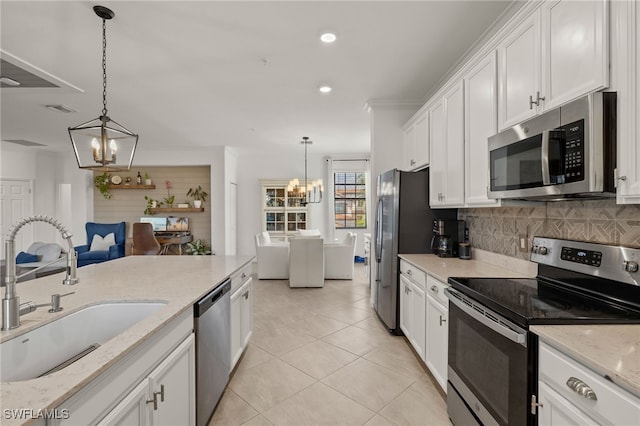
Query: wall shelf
x=123, y=186
x=176, y=210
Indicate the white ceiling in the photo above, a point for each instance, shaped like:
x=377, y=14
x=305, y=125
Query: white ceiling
x=235, y=73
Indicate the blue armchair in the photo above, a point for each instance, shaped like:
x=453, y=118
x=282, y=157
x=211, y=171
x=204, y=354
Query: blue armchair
x=86, y=256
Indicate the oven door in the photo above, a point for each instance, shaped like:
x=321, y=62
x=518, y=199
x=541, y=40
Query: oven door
x=488, y=366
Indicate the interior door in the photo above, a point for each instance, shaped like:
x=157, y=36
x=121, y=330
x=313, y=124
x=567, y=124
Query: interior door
x=15, y=204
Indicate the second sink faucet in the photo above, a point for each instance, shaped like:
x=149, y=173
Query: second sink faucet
x=11, y=301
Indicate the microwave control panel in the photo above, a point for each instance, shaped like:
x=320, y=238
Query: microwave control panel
x=574, y=151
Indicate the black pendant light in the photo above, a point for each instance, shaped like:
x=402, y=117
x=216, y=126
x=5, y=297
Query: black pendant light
x=102, y=144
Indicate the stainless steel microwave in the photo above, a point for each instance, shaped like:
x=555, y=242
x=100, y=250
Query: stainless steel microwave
x=567, y=152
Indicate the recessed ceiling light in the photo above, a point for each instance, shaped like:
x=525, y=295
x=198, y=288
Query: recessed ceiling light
x=328, y=37
x=325, y=89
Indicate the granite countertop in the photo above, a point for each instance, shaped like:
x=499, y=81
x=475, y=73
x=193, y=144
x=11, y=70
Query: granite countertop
x=608, y=349
x=177, y=280
x=484, y=264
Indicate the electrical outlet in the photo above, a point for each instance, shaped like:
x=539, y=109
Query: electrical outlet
x=523, y=243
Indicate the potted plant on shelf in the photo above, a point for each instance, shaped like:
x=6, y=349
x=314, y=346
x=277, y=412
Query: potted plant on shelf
x=151, y=204
x=147, y=179
x=198, y=248
x=102, y=183
x=199, y=196
x=170, y=198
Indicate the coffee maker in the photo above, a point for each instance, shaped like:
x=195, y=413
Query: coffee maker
x=447, y=233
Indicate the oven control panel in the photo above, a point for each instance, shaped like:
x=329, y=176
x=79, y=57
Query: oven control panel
x=606, y=261
x=586, y=257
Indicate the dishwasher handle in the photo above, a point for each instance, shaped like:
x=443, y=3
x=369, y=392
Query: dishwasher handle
x=204, y=304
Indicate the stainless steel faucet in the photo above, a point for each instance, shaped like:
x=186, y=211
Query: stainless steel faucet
x=11, y=309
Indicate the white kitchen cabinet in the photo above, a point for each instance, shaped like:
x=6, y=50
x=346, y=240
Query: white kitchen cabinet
x=519, y=72
x=446, y=117
x=413, y=306
x=165, y=397
x=416, y=141
x=117, y=395
x=437, y=322
x=480, y=122
x=557, y=411
x=241, y=319
x=572, y=393
x=625, y=29
x=558, y=53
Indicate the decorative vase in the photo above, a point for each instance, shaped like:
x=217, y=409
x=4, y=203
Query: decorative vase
x=197, y=203
x=154, y=204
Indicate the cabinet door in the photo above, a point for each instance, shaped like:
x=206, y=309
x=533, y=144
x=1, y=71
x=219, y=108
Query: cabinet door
x=422, y=139
x=575, y=49
x=438, y=339
x=454, y=137
x=236, y=326
x=246, y=323
x=418, y=318
x=556, y=410
x=409, y=147
x=438, y=148
x=519, y=72
x=480, y=122
x=405, y=306
x=174, y=385
x=132, y=410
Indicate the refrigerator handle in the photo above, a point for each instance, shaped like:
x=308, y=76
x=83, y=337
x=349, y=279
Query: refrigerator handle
x=377, y=230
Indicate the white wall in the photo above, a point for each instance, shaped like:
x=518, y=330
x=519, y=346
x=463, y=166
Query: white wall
x=255, y=165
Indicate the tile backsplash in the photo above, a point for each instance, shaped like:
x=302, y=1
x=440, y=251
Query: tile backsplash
x=601, y=221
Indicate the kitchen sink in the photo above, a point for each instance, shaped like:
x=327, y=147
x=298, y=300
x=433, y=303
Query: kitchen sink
x=59, y=343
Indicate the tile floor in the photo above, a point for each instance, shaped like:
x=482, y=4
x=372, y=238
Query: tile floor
x=320, y=356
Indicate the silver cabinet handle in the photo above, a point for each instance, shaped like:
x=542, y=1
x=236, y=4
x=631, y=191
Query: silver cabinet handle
x=434, y=289
x=581, y=388
x=532, y=102
x=539, y=98
x=442, y=320
x=412, y=162
x=155, y=398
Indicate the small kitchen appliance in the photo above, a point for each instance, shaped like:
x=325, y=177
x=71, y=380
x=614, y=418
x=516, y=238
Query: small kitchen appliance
x=493, y=358
x=447, y=234
x=567, y=152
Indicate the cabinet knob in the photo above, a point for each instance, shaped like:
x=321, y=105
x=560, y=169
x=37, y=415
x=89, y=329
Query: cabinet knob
x=434, y=289
x=408, y=271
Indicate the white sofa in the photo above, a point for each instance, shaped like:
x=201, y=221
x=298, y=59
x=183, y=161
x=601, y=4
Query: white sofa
x=339, y=258
x=273, y=258
x=306, y=262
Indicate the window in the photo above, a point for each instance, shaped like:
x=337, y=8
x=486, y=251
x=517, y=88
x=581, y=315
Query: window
x=350, y=200
x=282, y=213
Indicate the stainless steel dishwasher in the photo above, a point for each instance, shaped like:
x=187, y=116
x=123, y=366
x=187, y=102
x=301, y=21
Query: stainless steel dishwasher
x=213, y=357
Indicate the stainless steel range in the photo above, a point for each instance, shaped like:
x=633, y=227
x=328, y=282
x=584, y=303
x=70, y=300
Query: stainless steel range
x=493, y=358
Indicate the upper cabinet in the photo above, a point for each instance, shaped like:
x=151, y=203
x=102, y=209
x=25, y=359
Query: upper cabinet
x=446, y=183
x=480, y=122
x=558, y=53
x=416, y=141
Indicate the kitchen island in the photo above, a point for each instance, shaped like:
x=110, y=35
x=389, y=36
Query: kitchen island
x=178, y=281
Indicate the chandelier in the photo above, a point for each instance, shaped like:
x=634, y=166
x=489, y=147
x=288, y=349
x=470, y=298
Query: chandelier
x=102, y=144
x=310, y=192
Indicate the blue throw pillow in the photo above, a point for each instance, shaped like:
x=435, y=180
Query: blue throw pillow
x=23, y=257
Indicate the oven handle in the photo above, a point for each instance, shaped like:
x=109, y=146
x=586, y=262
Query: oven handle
x=456, y=298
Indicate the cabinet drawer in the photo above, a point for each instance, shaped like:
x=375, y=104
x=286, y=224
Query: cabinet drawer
x=417, y=275
x=240, y=277
x=613, y=405
x=435, y=288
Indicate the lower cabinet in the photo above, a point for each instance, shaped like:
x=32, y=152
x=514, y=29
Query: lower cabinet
x=437, y=330
x=412, y=306
x=570, y=393
x=241, y=319
x=165, y=397
x=154, y=384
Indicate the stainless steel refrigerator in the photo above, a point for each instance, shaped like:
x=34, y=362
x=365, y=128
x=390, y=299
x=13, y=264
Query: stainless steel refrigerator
x=404, y=224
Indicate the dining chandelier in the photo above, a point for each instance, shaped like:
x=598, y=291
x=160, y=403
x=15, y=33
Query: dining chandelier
x=102, y=144
x=310, y=192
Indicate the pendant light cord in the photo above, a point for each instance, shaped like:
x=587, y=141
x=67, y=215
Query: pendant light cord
x=104, y=67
